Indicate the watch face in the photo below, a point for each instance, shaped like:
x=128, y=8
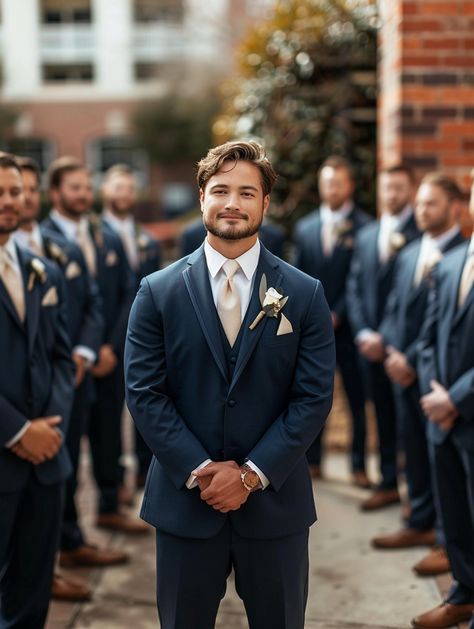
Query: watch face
x=252, y=479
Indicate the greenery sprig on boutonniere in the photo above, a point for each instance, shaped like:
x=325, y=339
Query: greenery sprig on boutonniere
x=37, y=272
x=272, y=301
x=56, y=253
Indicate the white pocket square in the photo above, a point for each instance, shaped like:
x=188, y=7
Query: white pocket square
x=73, y=270
x=111, y=258
x=285, y=326
x=50, y=298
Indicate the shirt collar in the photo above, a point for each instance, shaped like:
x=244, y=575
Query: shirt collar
x=248, y=261
x=336, y=216
x=121, y=225
x=440, y=241
x=10, y=249
x=68, y=226
x=24, y=238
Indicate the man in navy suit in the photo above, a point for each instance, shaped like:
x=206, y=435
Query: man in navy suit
x=368, y=287
x=192, y=237
x=71, y=194
x=229, y=368
x=119, y=194
x=446, y=377
x=36, y=390
x=85, y=328
x=437, y=211
x=325, y=241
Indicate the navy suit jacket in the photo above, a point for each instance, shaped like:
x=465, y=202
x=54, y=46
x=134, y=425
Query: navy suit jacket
x=406, y=306
x=84, y=305
x=446, y=350
x=332, y=271
x=115, y=281
x=369, y=282
x=187, y=410
x=192, y=237
x=36, y=372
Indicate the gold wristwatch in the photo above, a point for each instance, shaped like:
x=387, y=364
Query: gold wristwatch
x=250, y=479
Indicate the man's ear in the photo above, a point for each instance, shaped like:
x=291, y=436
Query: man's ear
x=201, y=199
x=266, y=203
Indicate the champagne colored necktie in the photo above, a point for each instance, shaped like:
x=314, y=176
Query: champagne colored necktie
x=34, y=247
x=13, y=283
x=329, y=237
x=467, y=279
x=228, y=302
x=84, y=240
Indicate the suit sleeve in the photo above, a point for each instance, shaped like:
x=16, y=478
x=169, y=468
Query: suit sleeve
x=354, y=293
x=388, y=325
x=116, y=336
x=310, y=400
x=92, y=328
x=462, y=394
x=12, y=421
x=177, y=449
x=62, y=386
x=426, y=364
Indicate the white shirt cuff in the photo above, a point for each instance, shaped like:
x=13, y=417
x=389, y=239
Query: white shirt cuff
x=263, y=478
x=192, y=480
x=18, y=436
x=86, y=353
x=363, y=334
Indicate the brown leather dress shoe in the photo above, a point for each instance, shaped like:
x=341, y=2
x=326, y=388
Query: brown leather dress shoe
x=123, y=523
x=315, y=471
x=405, y=538
x=88, y=555
x=66, y=589
x=435, y=562
x=379, y=499
x=443, y=616
x=361, y=480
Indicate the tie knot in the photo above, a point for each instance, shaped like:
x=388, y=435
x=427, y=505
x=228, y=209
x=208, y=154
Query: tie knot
x=230, y=268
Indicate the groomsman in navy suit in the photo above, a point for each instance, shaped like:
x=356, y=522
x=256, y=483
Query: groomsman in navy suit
x=229, y=369
x=437, y=211
x=192, y=237
x=119, y=195
x=85, y=328
x=446, y=375
x=36, y=390
x=71, y=194
x=368, y=287
x=324, y=242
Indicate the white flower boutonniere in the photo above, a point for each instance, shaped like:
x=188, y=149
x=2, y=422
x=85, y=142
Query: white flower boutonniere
x=271, y=300
x=397, y=241
x=56, y=253
x=37, y=272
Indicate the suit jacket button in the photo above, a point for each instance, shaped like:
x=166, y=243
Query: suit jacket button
x=231, y=403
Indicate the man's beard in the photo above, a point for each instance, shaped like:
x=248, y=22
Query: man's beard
x=232, y=232
x=11, y=229
x=71, y=209
x=120, y=210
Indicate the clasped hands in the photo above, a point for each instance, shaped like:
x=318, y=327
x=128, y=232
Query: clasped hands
x=221, y=486
x=438, y=406
x=398, y=369
x=41, y=441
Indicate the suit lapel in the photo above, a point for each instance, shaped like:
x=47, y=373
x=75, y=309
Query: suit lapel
x=455, y=312
x=7, y=302
x=196, y=278
x=414, y=291
x=269, y=265
x=32, y=300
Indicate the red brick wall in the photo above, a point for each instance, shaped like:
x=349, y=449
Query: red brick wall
x=426, y=81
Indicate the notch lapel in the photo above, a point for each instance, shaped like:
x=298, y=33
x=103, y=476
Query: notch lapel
x=32, y=300
x=196, y=278
x=5, y=298
x=267, y=264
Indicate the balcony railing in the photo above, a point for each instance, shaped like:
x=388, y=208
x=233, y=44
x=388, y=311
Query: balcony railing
x=67, y=43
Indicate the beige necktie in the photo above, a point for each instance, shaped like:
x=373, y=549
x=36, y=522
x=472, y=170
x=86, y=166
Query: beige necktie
x=84, y=240
x=228, y=302
x=130, y=246
x=35, y=248
x=13, y=283
x=328, y=237
x=467, y=279
x=426, y=265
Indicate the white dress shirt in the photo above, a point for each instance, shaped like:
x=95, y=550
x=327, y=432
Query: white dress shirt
x=389, y=224
x=10, y=249
x=432, y=248
x=126, y=230
x=26, y=238
x=244, y=280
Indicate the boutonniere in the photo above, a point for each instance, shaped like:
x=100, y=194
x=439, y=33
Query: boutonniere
x=142, y=241
x=37, y=272
x=433, y=259
x=272, y=301
x=56, y=253
x=343, y=228
x=396, y=242
x=96, y=227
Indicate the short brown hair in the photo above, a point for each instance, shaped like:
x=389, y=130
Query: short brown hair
x=447, y=185
x=118, y=169
x=8, y=160
x=237, y=151
x=403, y=169
x=61, y=167
x=29, y=164
x=338, y=163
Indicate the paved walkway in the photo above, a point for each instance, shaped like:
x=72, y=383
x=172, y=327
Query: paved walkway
x=351, y=585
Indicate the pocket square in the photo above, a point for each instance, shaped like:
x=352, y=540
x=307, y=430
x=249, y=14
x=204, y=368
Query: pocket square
x=73, y=270
x=285, y=326
x=111, y=258
x=50, y=298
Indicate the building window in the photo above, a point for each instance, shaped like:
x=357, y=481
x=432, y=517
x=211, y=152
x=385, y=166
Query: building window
x=68, y=73
x=66, y=12
x=170, y=11
x=103, y=153
x=146, y=71
x=42, y=151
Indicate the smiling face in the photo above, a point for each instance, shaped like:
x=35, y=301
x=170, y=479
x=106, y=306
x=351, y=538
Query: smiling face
x=74, y=196
x=120, y=193
x=233, y=203
x=335, y=186
x=11, y=201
